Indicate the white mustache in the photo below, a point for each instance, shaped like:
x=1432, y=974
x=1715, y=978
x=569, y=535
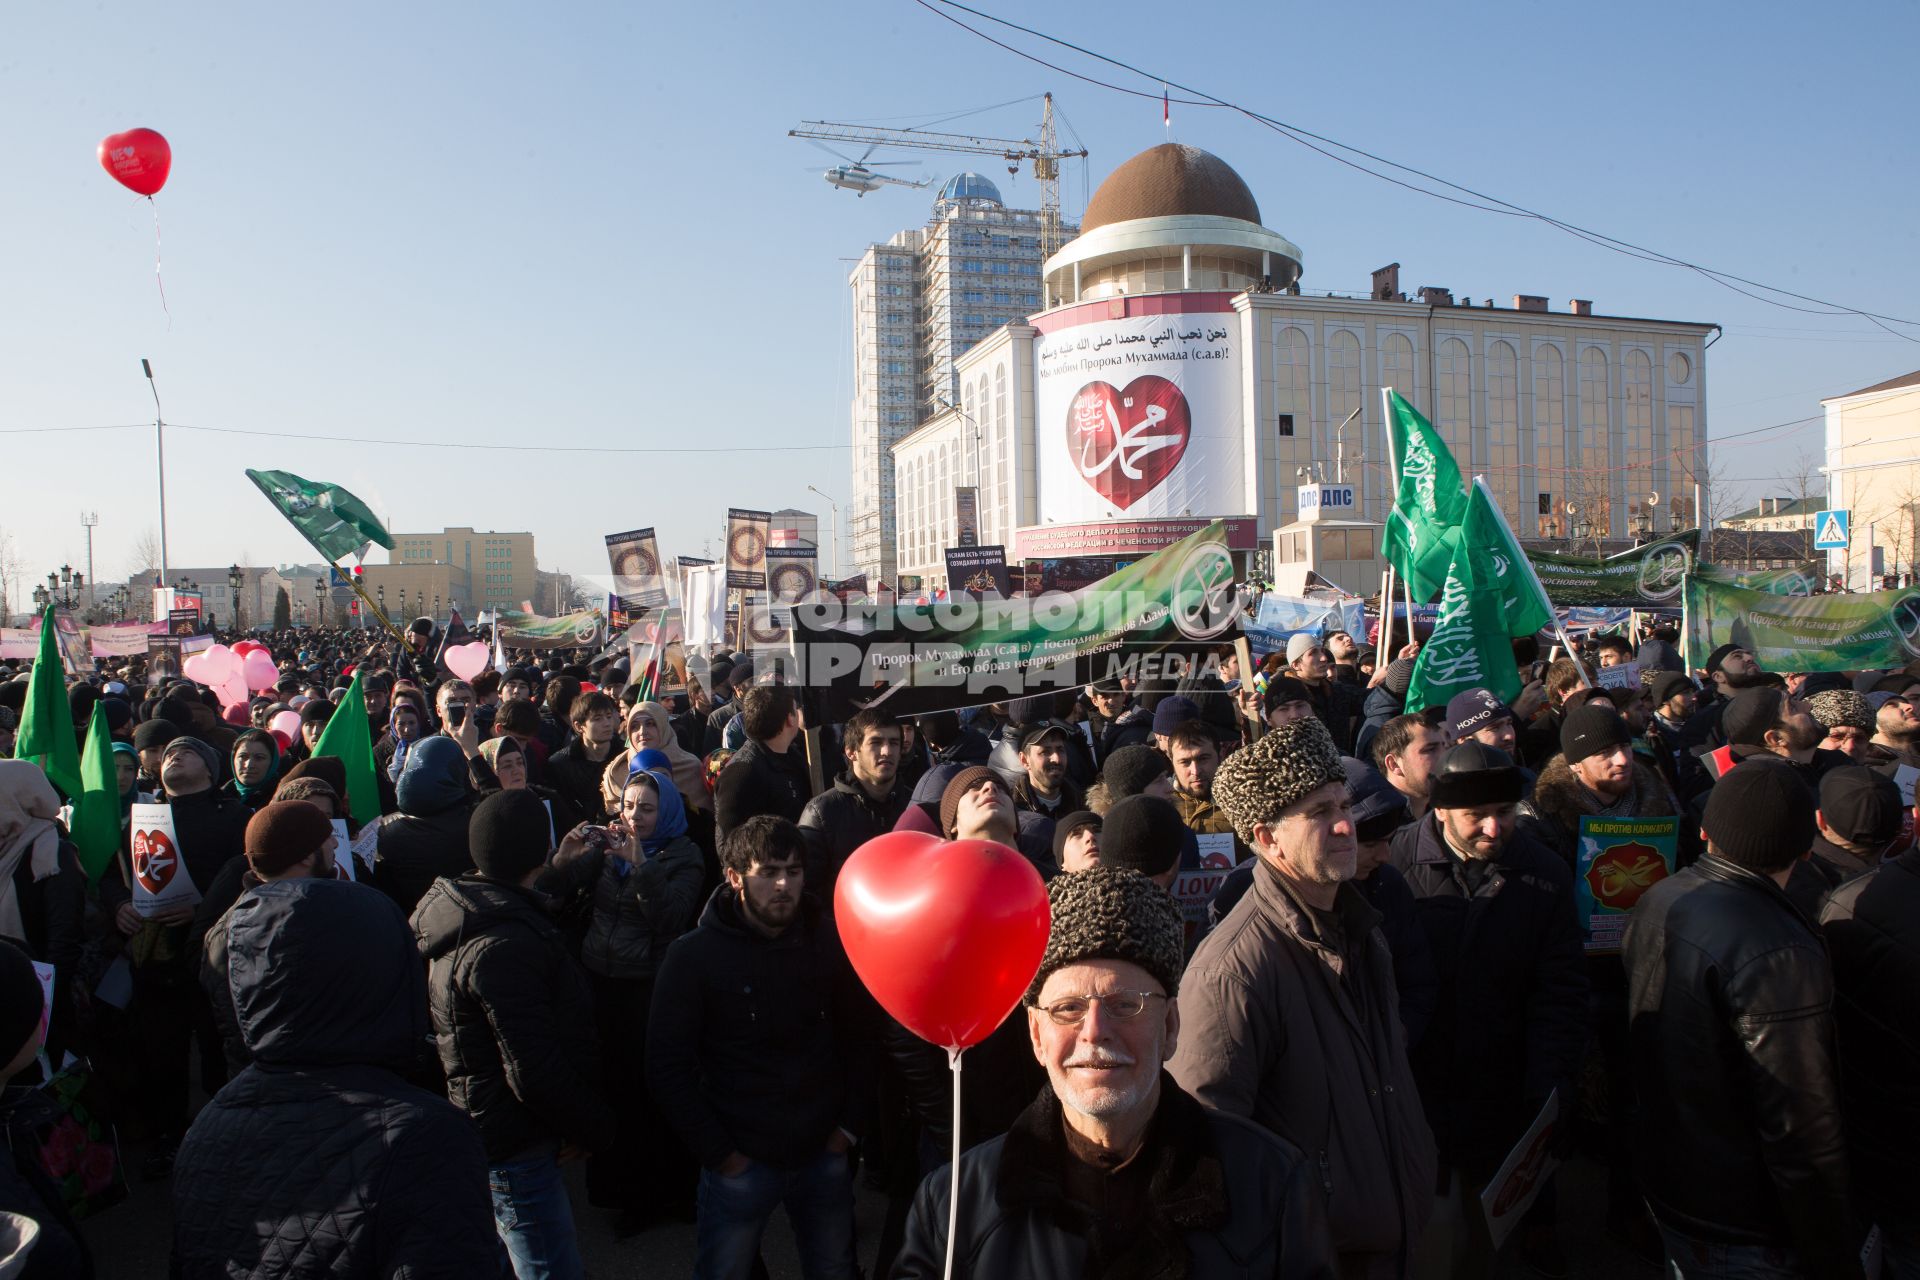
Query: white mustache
x=1100, y=1058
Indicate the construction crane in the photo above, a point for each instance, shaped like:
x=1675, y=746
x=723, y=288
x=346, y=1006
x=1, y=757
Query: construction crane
x=1045, y=154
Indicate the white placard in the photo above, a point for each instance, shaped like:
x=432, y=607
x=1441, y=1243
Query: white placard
x=160, y=876
x=342, y=851
x=1625, y=675
x=1527, y=1168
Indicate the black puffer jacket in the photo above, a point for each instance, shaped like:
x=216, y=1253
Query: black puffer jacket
x=513, y=1017
x=1223, y=1198
x=318, y=1160
x=1510, y=1026
x=1873, y=930
x=1731, y=1000
x=636, y=916
x=427, y=839
x=760, y=1045
x=840, y=820
x=576, y=776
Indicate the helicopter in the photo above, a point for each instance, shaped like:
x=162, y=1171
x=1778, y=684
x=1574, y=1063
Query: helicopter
x=859, y=177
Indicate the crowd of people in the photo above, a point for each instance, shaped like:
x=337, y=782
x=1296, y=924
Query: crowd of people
x=590, y=925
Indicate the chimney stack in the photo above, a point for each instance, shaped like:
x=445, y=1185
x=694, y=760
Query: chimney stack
x=1529, y=302
x=1578, y=306
x=1434, y=296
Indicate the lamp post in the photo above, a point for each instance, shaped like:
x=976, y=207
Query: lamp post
x=380, y=594
x=234, y=580
x=320, y=602
x=42, y=599
x=833, y=548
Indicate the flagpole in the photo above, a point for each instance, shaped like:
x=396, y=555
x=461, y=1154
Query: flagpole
x=1381, y=659
x=366, y=599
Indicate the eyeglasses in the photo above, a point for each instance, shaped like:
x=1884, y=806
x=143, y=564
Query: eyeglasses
x=1121, y=1006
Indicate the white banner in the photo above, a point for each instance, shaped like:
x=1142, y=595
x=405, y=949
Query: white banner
x=342, y=851
x=160, y=876
x=1141, y=416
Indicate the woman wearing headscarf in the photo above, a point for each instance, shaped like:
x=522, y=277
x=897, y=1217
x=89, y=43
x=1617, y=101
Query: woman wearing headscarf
x=645, y=882
x=255, y=765
x=502, y=765
x=427, y=839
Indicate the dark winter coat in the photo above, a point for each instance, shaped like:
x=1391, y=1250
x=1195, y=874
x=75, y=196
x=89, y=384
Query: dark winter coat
x=1223, y=1198
x=576, y=776
x=1510, y=1026
x=635, y=916
x=760, y=1045
x=757, y=781
x=840, y=820
x=1339, y=706
x=318, y=1160
x=1381, y=705
x=1297, y=1030
x=1730, y=996
x=1130, y=728
x=513, y=1017
x=1872, y=925
x=1825, y=868
x=1559, y=801
x=410, y=853
x=59, y=1251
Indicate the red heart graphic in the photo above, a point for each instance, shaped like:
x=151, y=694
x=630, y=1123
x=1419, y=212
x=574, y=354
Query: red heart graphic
x=1126, y=442
x=154, y=859
x=138, y=159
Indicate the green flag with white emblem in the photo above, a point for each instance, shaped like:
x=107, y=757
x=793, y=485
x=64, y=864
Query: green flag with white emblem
x=333, y=520
x=1428, y=500
x=1471, y=642
x=1523, y=601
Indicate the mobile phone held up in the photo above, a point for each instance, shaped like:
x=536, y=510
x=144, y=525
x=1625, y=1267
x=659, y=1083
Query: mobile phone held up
x=456, y=715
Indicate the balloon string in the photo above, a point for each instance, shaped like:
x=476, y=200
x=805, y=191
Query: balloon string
x=156, y=262
x=953, y=1189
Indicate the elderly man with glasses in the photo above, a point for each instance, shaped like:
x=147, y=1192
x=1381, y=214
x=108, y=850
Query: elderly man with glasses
x=1115, y=1168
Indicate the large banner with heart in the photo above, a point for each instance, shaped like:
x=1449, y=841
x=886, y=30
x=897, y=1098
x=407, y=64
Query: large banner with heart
x=160, y=876
x=1140, y=416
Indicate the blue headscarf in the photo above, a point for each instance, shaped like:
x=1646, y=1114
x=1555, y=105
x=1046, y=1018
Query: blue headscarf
x=672, y=821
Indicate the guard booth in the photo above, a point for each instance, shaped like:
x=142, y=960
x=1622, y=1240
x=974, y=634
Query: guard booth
x=1328, y=539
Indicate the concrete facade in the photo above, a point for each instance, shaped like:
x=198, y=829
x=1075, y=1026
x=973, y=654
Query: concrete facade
x=1873, y=472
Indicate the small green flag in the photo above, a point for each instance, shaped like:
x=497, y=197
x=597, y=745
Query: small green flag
x=96, y=813
x=333, y=520
x=46, y=721
x=1428, y=500
x=1469, y=647
x=1523, y=601
x=348, y=738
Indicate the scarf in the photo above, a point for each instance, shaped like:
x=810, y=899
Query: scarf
x=266, y=785
x=28, y=809
x=689, y=776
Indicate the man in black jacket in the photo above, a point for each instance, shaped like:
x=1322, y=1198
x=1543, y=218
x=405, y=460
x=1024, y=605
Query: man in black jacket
x=762, y=777
x=1115, y=1169
x=1872, y=924
x=1498, y=911
x=514, y=1020
x=1045, y=748
x=575, y=770
x=320, y=1160
x=1731, y=994
x=1340, y=706
x=863, y=802
x=761, y=1047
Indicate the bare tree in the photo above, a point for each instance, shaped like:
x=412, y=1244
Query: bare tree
x=144, y=556
x=1803, y=479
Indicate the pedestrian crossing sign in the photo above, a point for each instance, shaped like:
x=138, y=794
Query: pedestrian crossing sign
x=1830, y=530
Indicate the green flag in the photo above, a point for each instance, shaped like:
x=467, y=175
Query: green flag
x=46, y=721
x=1501, y=564
x=348, y=738
x=1428, y=501
x=1469, y=647
x=333, y=520
x=96, y=812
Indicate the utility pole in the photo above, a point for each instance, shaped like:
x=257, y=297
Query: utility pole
x=88, y=519
x=160, y=457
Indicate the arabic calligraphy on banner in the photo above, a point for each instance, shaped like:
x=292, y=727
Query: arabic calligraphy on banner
x=1139, y=415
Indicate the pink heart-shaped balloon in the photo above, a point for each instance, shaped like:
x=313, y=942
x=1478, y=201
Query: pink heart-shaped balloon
x=468, y=660
x=288, y=723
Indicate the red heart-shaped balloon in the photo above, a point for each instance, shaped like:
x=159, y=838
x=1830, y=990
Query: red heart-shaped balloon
x=945, y=934
x=138, y=159
x=1126, y=442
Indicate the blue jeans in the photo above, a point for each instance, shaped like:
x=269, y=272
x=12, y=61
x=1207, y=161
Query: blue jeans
x=534, y=1217
x=734, y=1214
x=1691, y=1259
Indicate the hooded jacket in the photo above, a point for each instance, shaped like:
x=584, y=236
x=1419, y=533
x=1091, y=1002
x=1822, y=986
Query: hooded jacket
x=1297, y=1030
x=318, y=1160
x=427, y=839
x=1222, y=1198
x=760, y=1045
x=1560, y=800
x=513, y=1018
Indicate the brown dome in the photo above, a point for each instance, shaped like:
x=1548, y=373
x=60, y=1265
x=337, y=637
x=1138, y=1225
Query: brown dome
x=1170, y=179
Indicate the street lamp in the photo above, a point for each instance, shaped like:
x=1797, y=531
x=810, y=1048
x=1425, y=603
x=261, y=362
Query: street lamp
x=380, y=594
x=42, y=598
x=234, y=579
x=833, y=548
x=320, y=602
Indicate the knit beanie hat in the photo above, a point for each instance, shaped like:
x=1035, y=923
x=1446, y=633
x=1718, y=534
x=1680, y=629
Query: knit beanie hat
x=1860, y=806
x=961, y=783
x=22, y=1003
x=1131, y=770
x=199, y=748
x=328, y=769
x=1590, y=728
x=1300, y=644
x=1760, y=815
x=1668, y=683
x=1749, y=715
x=1838, y=708
x=1256, y=782
x=283, y=833
x=1142, y=833
x=509, y=835
x=1063, y=829
x=157, y=732
x=1719, y=656
x=308, y=788
x=1284, y=689
x=1399, y=676
x=1173, y=712
x=1111, y=913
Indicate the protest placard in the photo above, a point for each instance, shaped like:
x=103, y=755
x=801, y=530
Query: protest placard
x=1528, y=1168
x=160, y=876
x=1618, y=860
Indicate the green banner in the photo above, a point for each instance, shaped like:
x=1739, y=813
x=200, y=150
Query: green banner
x=1149, y=620
x=1799, y=580
x=1619, y=859
x=1646, y=577
x=1869, y=631
x=577, y=630
x=1428, y=500
x=333, y=520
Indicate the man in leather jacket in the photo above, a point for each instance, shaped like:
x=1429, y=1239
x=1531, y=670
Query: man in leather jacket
x=1730, y=991
x=1114, y=1169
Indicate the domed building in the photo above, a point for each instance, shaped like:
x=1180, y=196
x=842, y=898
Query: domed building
x=1178, y=373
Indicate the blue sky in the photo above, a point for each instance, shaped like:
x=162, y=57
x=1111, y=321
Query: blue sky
x=583, y=226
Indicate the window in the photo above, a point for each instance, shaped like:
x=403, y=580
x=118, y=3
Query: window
x=1454, y=371
x=1636, y=387
x=1293, y=403
x=1343, y=382
x=1549, y=433
x=1593, y=494
x=1503, y=417
x=1680, y=443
